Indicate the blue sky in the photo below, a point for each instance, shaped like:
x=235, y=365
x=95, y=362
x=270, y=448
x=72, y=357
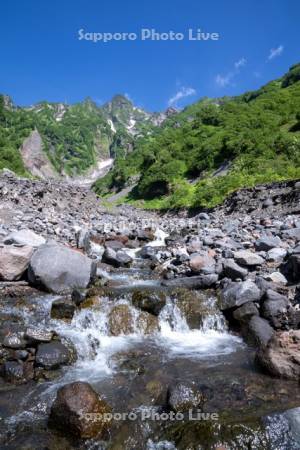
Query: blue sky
x=43, y=59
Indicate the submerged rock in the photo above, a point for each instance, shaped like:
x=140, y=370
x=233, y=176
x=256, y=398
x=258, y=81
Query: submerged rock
x=184, y=396
x=63, y=308
x=78, y=410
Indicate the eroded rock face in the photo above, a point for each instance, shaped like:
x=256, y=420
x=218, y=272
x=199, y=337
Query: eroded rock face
x=78, y=410
x=60, y=269
x=281, y=357
x=34, y=158
x=14, y=261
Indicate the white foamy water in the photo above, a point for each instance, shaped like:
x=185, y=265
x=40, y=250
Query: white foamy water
x=212, y=339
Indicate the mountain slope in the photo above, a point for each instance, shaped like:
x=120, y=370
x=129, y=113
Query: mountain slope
x=214, y=147
x=68, y=140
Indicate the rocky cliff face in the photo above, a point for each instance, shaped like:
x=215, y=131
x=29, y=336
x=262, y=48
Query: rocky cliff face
x=34, y=157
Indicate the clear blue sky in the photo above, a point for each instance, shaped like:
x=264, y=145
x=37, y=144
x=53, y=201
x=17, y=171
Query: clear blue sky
x=43, y=59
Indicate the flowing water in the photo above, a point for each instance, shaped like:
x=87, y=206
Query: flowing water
x=134, y=370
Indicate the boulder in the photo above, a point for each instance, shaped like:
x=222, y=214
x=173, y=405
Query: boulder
x=237, y=293
x=183, y=397
x=60, y=269
x=281, y=357
x=78, y=410
x=52, y=355
x=248, y=259
x=233, y=271
x=25, y=237
x=266, y=243
x=245, y=312
x=14, y=261
x=149, y=301
x=258, y=331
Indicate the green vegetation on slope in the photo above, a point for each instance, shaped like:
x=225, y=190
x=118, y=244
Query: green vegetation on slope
x=256, y=135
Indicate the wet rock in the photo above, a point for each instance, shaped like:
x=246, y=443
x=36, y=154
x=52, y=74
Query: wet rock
x=147, y=323
x=73, y=409
x=37, y=335
x=233, y=271
x=79, y=296
x=237, y=293
x=184, y=396
x=17, y=372
x=158, y=392
x=52, y=355
x=14, y=261
x=281, y=356
x=121, y=320
x=25, y=237
x=151, y=302
x=258, y=331
x=60, y=269
x=248, y=259
x=245, y=312
x=194, y=307
x=14, y=340
x=63, y=308
x=266, y=243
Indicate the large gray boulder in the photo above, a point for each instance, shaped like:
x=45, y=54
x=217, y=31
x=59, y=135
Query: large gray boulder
x=14, y=261
x=236, y=294
x=60, y=269
x=25, y=237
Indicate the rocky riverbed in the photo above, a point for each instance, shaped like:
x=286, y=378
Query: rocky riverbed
x=189, y=324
